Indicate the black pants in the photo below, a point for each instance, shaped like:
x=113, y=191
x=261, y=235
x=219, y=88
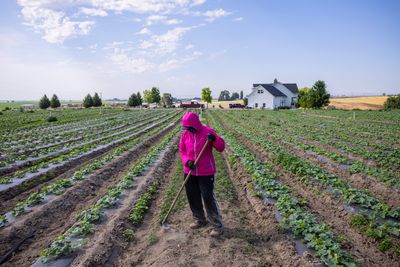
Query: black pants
x=202, y=187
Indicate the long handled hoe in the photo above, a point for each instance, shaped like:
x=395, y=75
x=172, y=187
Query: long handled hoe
x=182, y=186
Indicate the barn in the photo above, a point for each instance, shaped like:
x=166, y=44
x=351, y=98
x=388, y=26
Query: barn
x=273, y=95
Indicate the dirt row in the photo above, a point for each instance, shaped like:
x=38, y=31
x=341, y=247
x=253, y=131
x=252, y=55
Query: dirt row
x=22, y=241
x=327, y=209
x=383, y=192
x=9, y=197
x=251, y=237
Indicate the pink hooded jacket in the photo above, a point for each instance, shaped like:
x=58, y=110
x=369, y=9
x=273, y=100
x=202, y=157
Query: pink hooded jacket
x=191, y=144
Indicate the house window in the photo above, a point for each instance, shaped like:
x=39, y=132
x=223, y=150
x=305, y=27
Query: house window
x=256, y=105
x=260, y=91
x=282, y=103
x=263, y=105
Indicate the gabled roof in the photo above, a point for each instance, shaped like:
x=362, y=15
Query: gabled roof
x=272, y=90
x=292, y=87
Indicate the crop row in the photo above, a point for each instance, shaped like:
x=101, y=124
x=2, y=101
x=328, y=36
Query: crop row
x=80, y=151
x=58, y=187
x=79, y=139
x=19, y=122
x=295, y=218
x=373, y=209
x=75, y=237
x=50, y=136
x=355, y=166
x=62, y=155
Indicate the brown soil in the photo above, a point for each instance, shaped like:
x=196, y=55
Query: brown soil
x=329, y=210
x=383, y=192
x=26, y=237
x=109, y=238
x=52, y=173
x=252, y=237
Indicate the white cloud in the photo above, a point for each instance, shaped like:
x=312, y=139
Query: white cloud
x=198, y=2
x=153, y=19
x=144, y=31
x=189, y=46
x=146, y=45
x=92, y=12
x=216, y=13
x=177, y=63
x=173, y=21
x=145, y=6
x=238, y=19
x=130, y=64
x=169, y=41
x=55, y=26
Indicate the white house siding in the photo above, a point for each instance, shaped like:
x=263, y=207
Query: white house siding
x=256, y=98
x=280, y=101
x=287, y=92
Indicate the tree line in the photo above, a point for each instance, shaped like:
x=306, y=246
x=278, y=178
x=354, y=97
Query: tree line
x=225, y=96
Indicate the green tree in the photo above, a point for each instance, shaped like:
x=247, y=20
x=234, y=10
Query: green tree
x=88, y=101
x=241, y=94
x=148, y=96
x=97, y=100
x=235, y=96
x=318, y=95
x=206, y=95
x=224, y=96
x=139, y=98
x=54, y=102
x=166, y=100
x=245, y=101
x=44, y=102
x=155, y=92
x=304, y=100
x=133, y=100
x=392, y=102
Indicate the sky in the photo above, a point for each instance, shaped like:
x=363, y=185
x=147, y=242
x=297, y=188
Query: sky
x=118, y=47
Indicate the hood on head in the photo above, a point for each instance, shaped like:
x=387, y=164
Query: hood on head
x=190, y=119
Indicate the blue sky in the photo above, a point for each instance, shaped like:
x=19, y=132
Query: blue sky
x=116, y=47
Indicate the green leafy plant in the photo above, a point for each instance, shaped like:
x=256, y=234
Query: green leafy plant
x=128, y=235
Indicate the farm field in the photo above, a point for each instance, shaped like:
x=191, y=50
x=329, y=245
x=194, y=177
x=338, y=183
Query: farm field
x=296, y=188
x=362, y=102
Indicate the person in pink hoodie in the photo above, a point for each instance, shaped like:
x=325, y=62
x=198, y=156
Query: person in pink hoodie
x=201, y=182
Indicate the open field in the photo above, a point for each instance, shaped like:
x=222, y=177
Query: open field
x=363, y=103
x=302, y=188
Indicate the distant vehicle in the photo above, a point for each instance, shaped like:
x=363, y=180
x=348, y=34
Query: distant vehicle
x=192, y=104
x=236, y=105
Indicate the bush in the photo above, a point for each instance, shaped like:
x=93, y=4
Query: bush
x=88, y=101
x=1, y=113
x=54, y=102
x=44, y=102
x=393, y=102
x=51, y=119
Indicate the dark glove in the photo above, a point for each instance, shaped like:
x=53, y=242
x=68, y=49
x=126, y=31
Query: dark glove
x=190, y=164
x=211, y=137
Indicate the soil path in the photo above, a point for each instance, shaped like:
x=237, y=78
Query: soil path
x=250, y=238
x=27, y=237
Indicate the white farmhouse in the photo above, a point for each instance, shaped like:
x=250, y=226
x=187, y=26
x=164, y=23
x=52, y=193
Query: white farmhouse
x=273, y=95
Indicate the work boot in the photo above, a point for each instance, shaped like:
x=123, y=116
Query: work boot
x=197, y=224
x=216, y=232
